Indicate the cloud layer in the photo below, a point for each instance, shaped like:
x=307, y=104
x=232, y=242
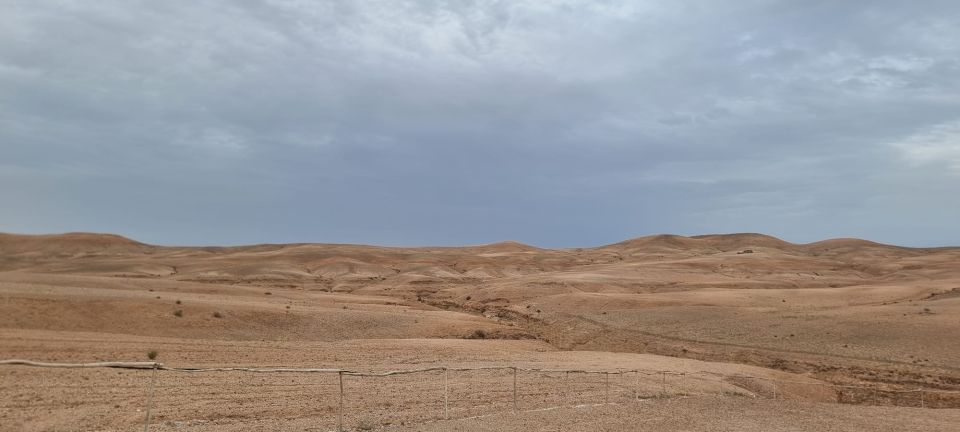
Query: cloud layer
x=559, y=123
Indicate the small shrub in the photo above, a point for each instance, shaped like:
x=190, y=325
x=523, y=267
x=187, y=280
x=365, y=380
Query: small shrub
x=178, y=313
x=468, y=298
x=152, y=354
x=268, y=293
x=366, y=424
x=477, y=334
x=217, y=314
x=179, y=302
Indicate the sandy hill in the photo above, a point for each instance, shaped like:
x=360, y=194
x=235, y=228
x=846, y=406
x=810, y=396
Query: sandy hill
x=841, y=311
x=56, y=246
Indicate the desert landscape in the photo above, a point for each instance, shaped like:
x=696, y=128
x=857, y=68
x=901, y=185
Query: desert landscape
x=523, y=215
x=717, y=332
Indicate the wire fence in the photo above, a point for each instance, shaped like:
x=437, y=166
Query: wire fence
x=339, y=399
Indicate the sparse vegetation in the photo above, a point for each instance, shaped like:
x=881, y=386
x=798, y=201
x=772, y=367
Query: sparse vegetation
x=366, y=424
x=477, y=334
x=646, y=296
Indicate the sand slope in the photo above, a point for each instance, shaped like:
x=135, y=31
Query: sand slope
x=842, y=311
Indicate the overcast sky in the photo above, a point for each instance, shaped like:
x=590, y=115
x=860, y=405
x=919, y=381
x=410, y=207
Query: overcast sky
x=556, y=123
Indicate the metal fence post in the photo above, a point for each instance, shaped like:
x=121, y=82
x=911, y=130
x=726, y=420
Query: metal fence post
x=606, y=385
x=663, y=383
x=340, y=412
x=153, y=387
x=446, y=399
x=515, y=389
x=637, y=376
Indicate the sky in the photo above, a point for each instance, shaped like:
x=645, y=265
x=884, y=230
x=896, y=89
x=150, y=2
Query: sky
x=554, y=123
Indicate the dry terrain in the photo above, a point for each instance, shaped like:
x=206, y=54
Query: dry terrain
x=879, y=319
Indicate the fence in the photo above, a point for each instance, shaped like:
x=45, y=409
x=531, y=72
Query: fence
x=344, y=399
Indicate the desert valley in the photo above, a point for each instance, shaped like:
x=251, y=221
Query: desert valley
x=719, y=332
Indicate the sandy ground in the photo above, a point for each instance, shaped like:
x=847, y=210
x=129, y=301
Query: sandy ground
x=836, y=312
x=712, y=414
x=107, y=399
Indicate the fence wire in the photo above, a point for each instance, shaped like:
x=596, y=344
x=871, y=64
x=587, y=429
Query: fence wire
x=338, y=399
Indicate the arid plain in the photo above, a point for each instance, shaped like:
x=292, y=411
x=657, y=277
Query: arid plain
x=851, y=329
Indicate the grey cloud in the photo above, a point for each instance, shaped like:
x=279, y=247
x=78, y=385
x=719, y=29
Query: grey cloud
x=561, y=123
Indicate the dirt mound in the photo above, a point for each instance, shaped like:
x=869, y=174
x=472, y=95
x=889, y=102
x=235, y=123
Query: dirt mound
x=666, y=243
x=58, y=245
x=728, y=242
x=655, y=242
x=847, y=243
x=508, y=246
